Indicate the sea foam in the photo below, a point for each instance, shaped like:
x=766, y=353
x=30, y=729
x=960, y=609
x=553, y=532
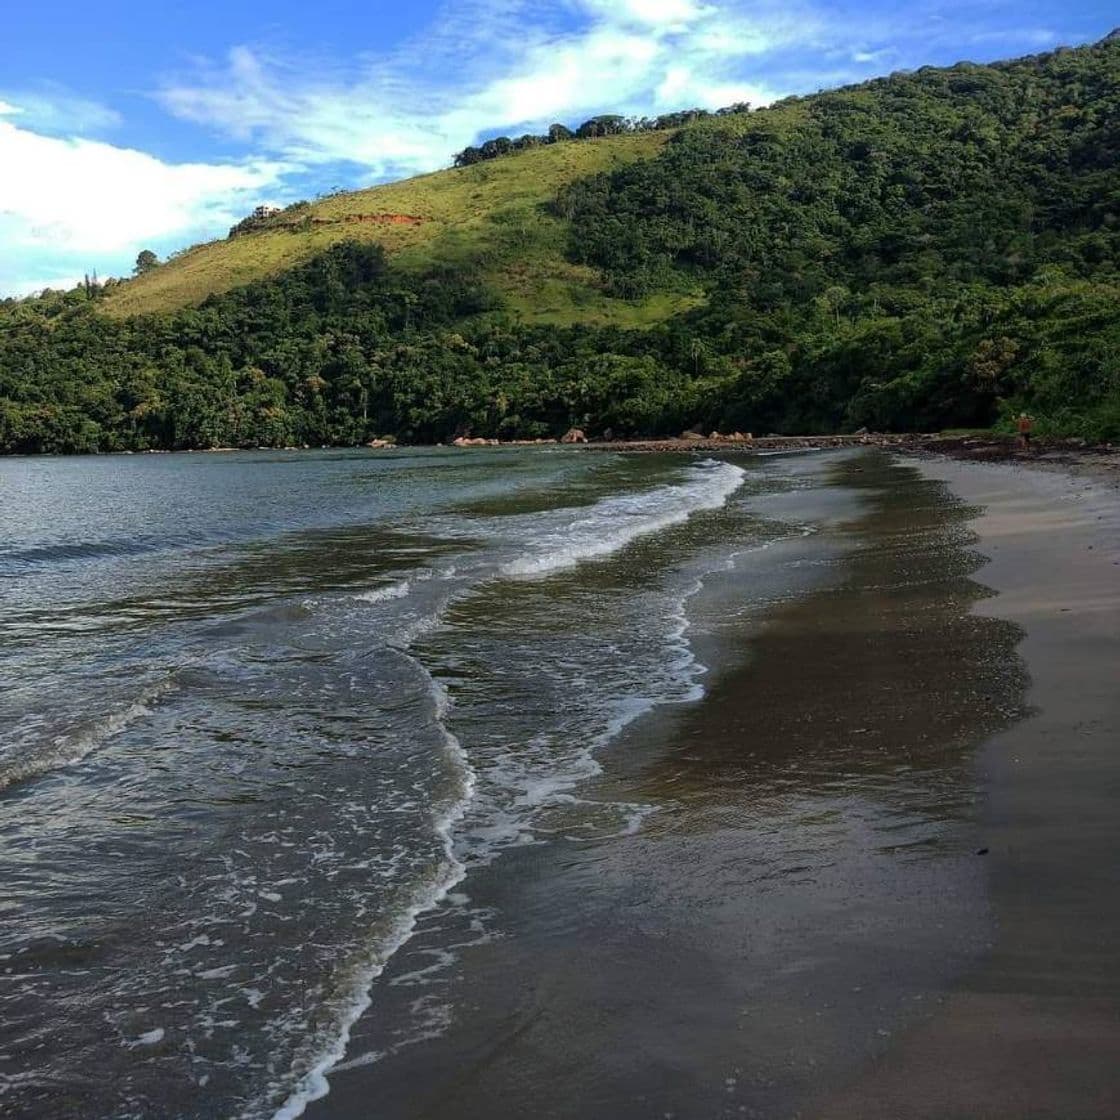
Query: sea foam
x=611, y=524
x=70, y=747
x=314, y=1085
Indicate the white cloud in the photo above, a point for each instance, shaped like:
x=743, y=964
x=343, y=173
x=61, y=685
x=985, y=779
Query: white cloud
x=665, y=14
x=1031, y=36
x=58, y=281
x=93, y=197
x=67, y=205
x=53, y=109
x=410, y=111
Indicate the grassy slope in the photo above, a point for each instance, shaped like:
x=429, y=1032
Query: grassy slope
x=489, y=215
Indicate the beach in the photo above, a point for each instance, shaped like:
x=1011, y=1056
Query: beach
x=531, y=782
x=1033, y=1029
x=881, y=877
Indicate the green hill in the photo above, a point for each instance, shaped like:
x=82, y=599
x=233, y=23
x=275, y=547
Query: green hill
x=933, y=249
x=490, y=216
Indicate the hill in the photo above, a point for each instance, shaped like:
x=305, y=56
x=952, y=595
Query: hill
x=933, y=249
x=489, y=216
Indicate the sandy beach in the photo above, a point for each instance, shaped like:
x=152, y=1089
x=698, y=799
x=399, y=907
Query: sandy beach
x=881, y=880
x=1034, y=1028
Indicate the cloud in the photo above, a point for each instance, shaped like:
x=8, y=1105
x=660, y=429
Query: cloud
x=1037, y=37
x=409, y=111
x=69, y=204
x=60, y=281
x=52, y=109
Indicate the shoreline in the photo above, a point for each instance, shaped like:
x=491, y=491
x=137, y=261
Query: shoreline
x=579, y=1008
x=1101, y=460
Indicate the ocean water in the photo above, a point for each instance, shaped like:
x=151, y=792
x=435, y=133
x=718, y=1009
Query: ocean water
x=261, y=711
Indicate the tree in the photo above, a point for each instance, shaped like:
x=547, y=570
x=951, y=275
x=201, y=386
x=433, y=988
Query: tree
x=468, y=155
x=145, y=262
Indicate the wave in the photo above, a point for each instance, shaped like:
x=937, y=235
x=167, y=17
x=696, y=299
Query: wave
x=517, y=792
x=72, y=746
x=313, y=1085
x=611, y=524
x=84, y=550
x=388, y=591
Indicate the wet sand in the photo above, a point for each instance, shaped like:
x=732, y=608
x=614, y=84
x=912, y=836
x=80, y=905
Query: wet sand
x=807, y=926
x=1034, y=1029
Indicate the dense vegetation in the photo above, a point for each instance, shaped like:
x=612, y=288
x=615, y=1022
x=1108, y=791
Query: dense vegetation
x=929, y=250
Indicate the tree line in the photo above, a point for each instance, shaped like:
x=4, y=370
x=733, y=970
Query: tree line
x=609, y=124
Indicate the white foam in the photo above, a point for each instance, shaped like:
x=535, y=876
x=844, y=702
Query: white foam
x=382, y=594
x=603, y=529
x=70, y=748
x=613, y=523
x=314, y=1085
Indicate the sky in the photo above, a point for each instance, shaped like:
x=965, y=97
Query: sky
x=128, y=124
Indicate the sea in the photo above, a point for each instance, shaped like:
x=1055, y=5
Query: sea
x=261, y=711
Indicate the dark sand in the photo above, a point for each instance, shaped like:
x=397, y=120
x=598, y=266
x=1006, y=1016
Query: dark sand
x=806, y=927
x=1034, y=1029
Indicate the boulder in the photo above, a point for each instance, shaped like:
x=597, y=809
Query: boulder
x=573, y=435
x=690, y=434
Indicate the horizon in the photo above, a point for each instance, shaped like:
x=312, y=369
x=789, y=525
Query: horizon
x=228, y=113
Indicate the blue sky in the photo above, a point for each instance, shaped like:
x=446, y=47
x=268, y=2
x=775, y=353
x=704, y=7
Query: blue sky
x=129, y=125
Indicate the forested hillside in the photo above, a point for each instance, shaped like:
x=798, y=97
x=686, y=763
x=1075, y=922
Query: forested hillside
x=928, y=250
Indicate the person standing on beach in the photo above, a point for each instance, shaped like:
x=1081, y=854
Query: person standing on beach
x=1025, y=425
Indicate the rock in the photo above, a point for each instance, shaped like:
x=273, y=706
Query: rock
x=861, y=432
x=377, y=444
x=573, y=435
x=690, y=434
